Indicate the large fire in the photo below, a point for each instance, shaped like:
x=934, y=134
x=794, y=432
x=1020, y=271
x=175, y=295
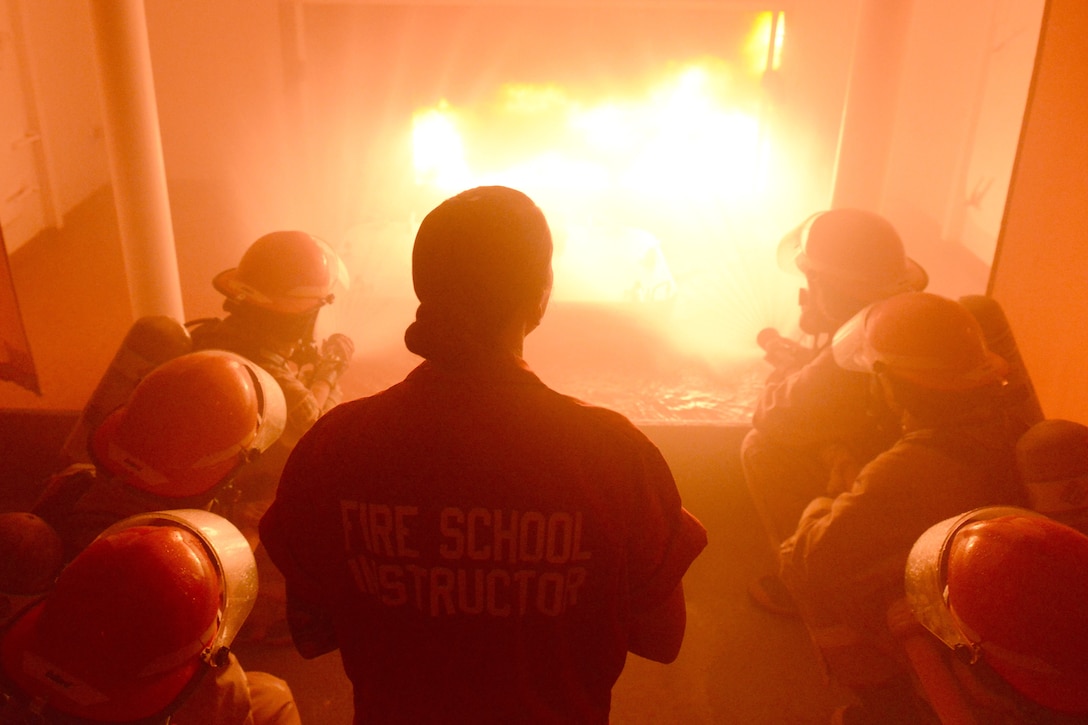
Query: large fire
x=662, y=202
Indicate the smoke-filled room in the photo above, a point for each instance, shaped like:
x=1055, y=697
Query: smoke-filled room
x=481, y=362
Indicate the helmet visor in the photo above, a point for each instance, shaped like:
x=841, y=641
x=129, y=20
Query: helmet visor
x=850, y=346
x=272, y=407
x=926, y=575
x=229, y=550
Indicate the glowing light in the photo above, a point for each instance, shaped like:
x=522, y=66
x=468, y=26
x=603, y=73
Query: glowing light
x=662, y=200
x=768, y=27
x=695, y=147
x=605, y=127
x=438, y=151
x=650, y=197
x=527, y=98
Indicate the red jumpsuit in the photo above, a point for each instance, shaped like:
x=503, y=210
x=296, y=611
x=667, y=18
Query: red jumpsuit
x=480, y=544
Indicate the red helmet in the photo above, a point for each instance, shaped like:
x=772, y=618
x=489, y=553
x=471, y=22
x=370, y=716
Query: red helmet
x=134, y=617
x=922, y=338
x=189, y=423
x=31, y=554
x=289, y=272
x=856, y=252
x=1009, y=585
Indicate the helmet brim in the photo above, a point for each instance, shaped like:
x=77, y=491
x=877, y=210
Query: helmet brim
x=70, y=694
x=851, y=351
x=179, y=485
x=231, y=286
x=927, y=569
x=273, y=407
x=792, y=258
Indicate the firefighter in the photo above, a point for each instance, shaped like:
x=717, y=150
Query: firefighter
x=272, y=300
x=138, y=628
x=956, y=451
x=180, y=439
x=816, y=424
x=1005, y=588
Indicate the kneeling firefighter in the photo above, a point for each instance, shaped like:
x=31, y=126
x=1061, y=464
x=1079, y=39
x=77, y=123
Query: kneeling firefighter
x=138, y=628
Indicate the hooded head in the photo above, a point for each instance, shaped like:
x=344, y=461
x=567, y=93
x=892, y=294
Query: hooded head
x=481, y=268
x=1052, y=457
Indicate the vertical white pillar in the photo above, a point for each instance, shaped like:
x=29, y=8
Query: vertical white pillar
x=134, y=145
x=869, y=112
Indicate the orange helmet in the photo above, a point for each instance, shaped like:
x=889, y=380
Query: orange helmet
x=134, y=617
x=189, y=423
x=922, y=338
x=289, y=272
x=857, y=252
x=1008, y=586
x=31, y=553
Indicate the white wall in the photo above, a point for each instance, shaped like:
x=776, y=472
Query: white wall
x=965, y=76
x=64, y=96
x=217, y=66
x=218, y=69
x=1041, y=272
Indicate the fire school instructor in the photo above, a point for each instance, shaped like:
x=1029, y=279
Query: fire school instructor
x=480, y=548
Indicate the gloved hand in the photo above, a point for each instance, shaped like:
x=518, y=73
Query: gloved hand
x=336, y=353
x=338, y=346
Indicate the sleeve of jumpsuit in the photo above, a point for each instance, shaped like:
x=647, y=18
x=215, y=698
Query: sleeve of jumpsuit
x=820, y=402
x=849, y=547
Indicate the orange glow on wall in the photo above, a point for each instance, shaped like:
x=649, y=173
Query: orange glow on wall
x=16, y=362
x=764, y=46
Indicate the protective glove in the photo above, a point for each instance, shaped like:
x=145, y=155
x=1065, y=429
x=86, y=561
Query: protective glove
x=336, y=353
x=338, y=346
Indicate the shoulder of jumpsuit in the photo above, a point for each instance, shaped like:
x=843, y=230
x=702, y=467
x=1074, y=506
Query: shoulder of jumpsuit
x=228, y=333
x=273, y=362
x=518, y=372
x=820, y=377
x=344, y=424
x=607, y=424
x=912, y=463
x=814, y=411
x=823, y=369
x=979, y=439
